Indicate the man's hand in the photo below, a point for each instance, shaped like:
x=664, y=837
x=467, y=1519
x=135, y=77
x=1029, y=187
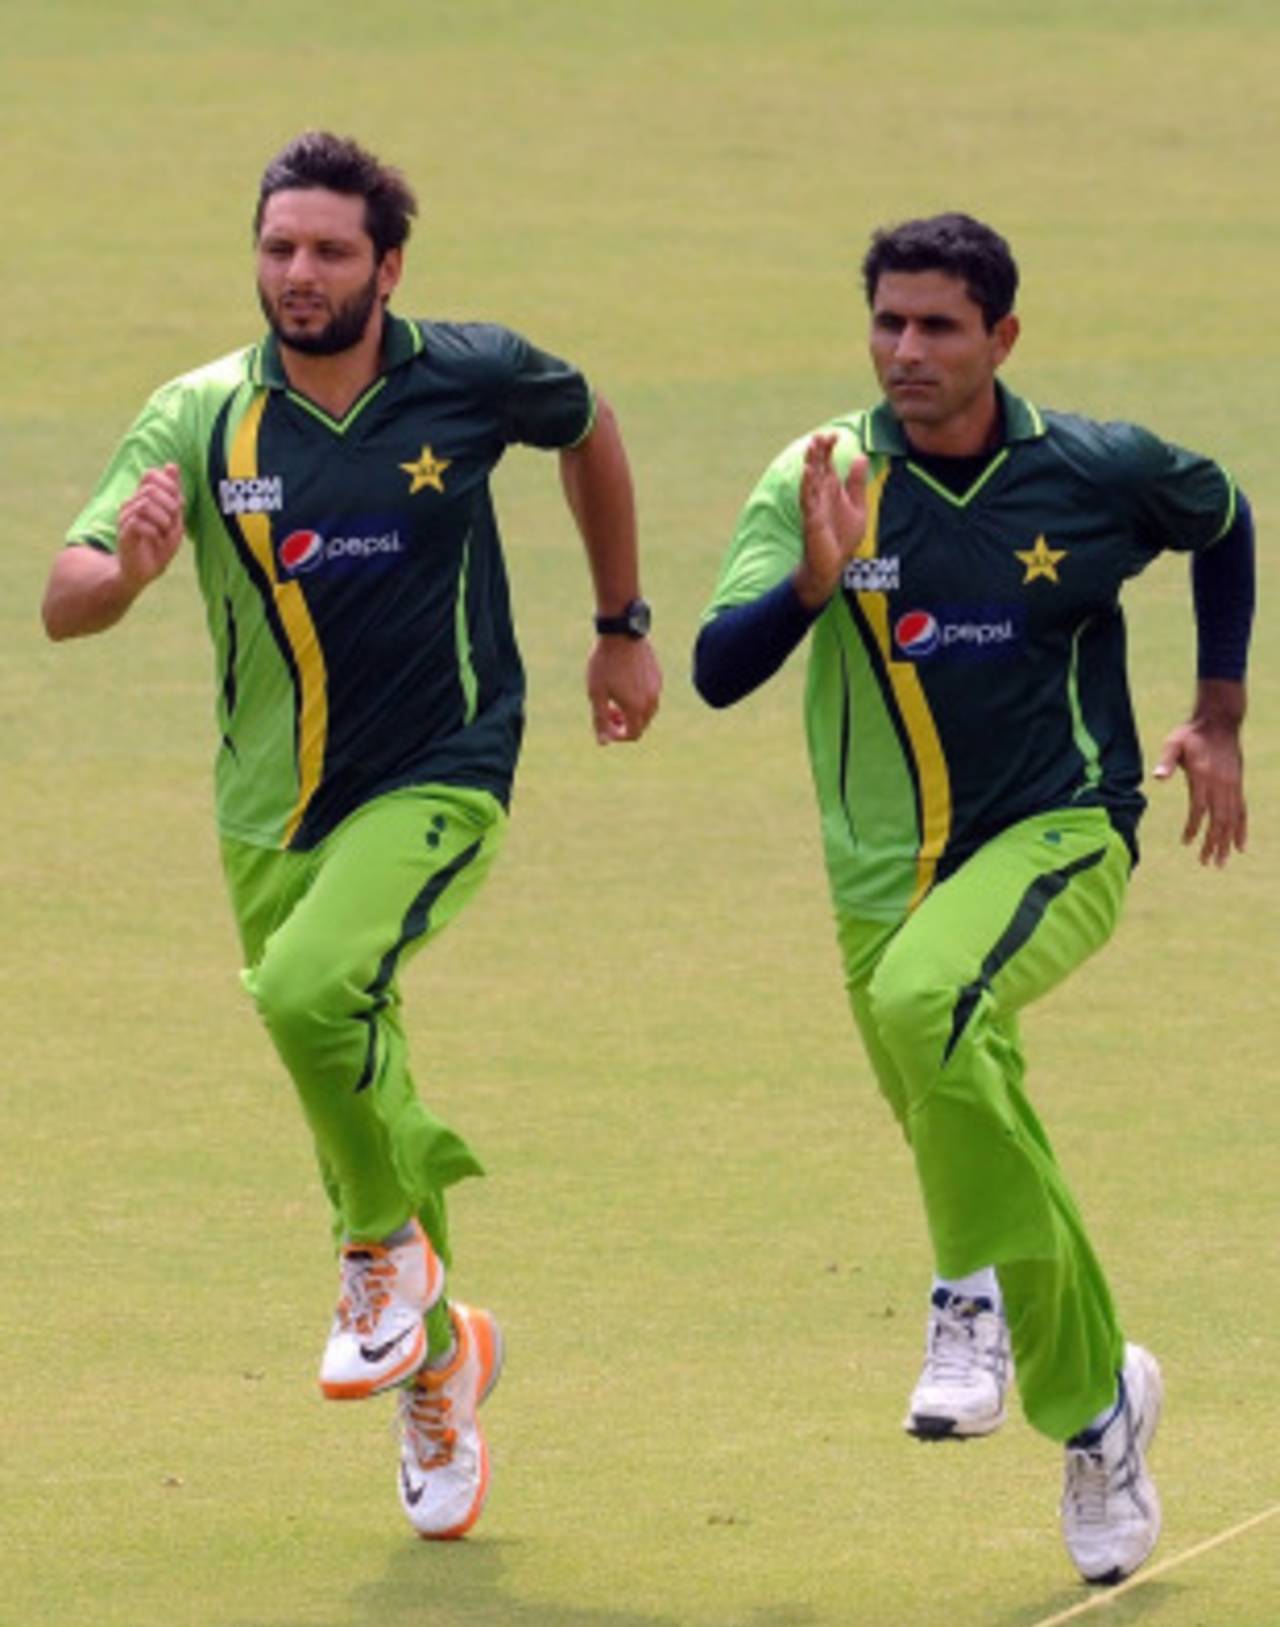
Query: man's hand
x=90, y=589
x=149, y=527
x=1207, y=750
x=624, y=682
x=835, y=521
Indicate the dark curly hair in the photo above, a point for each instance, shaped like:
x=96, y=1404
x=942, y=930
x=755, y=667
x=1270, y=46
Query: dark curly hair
x=317, y=158
x=956, y=244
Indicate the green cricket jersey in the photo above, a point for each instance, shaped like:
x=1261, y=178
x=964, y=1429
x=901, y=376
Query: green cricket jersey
x=352, y=571
x=971, y=672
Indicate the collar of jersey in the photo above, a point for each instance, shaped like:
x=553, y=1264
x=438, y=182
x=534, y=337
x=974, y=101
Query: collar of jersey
x=1022, y=422
x=401, y=342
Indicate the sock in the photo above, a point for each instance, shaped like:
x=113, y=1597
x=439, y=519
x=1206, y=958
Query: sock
x=1093, y=1430
x=982, y=1284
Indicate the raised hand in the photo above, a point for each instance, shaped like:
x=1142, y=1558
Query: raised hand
x=149, y=527
x=835, y=519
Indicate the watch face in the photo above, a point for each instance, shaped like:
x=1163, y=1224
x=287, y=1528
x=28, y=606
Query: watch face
x=638, y=618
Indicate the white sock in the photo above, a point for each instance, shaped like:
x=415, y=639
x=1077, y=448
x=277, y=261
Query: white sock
x=982, y=1284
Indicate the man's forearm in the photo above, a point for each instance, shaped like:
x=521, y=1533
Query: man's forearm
x=597, y=486
x=86, y=593
x=743, y=646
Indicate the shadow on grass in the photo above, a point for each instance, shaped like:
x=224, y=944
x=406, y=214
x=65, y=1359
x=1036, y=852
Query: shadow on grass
x=1143, y=1604
x=461, y=1585
x=458, y=1584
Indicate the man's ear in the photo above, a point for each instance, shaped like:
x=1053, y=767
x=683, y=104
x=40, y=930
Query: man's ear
x=1004, y=336
x=390, y=268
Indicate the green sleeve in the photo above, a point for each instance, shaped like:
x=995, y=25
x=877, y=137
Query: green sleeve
x=155, y=437
x=1179, y=499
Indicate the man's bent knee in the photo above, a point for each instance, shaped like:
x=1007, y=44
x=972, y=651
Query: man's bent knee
x=299, y=995
x=914, y=1016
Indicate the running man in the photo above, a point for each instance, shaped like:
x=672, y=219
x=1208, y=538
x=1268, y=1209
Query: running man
x=334, y=482
x=958, y=554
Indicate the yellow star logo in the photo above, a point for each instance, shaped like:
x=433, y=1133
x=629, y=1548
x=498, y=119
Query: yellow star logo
x=1040, y=560
x=426, y=471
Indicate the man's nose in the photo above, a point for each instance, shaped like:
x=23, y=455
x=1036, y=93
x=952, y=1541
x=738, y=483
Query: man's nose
x=301, y=267
x=910, y=346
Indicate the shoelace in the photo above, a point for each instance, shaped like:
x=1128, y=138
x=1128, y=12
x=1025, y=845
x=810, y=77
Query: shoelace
x=1091, y=1480
x=366, y=1278
x=954, y=1345
x=425, y=1414
x=1088, y=1482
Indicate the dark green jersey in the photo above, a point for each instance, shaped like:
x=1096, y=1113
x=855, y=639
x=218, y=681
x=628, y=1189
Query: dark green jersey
x=972, y=671
x=352, y=572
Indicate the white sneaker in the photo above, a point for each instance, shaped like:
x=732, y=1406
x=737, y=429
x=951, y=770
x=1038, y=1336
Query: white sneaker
x=1110, y=1510
x=966, y=1371
x=378, y=1338
x=444, y=1461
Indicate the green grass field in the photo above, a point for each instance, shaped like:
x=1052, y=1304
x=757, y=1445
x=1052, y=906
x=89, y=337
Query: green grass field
x=700, y=1229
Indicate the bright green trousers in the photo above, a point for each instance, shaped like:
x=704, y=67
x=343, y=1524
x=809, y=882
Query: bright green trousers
x=936, y=999
x=326, y=935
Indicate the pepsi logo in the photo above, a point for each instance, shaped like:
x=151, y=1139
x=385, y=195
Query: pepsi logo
x=917, y=633
x=301, y=551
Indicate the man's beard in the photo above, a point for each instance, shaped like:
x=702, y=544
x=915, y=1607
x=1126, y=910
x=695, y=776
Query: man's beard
x=344, y=328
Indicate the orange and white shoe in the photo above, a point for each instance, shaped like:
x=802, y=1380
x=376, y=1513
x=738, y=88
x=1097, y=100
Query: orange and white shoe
x=378, y=1338
x=444, y=1461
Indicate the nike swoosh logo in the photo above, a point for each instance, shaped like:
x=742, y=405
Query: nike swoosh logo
x=412, y=1493
x=381, y=1352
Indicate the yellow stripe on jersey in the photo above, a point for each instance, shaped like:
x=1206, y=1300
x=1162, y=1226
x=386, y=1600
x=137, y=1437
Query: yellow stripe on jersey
x=913, y=707
x=295, y=617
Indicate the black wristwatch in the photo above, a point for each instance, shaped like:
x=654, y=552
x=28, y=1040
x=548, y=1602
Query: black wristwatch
x=634, y=622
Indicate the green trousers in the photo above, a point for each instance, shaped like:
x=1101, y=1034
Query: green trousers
x=936, y=999
x=326, y=934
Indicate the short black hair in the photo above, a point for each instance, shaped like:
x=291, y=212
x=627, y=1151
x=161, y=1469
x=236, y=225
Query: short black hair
x=956, y=244
x=317, y=158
